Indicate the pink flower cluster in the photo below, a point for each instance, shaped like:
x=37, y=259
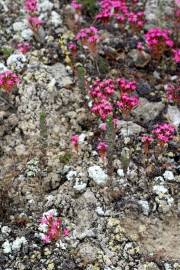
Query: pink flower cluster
x=102, y=149
x=8, y=80
x=23, y=47
x=127, y=103
x=112, y=8
x=77, y=6
x=51, y=225
x=31, y=6
x=147, y=139
x=173, y=92
x=103, y=109
x=75, y=142
x=73, y=48
x=136, y=20
x=164, y=132
x=35, y=22
x=126, y=86
x=102, y=89
x=88, y=35
x=158, y=41
x=176, y=55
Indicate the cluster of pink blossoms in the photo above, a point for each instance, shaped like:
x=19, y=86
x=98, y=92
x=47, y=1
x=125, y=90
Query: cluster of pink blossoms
x=35, y=22
x=102, y=89
x=52, y=228
x=88, y=35
x=173, y=92
x=158, y=41
x=75, y=142
x=8, y=80
x=77, y=6
x=163, y=132
x=136, y=20
x=103, y=109
x=126, y=86
x=23, y=47
x=176, y=55
x=127, y=103
x=102, y=149
x=31, y=6
x=118, y=9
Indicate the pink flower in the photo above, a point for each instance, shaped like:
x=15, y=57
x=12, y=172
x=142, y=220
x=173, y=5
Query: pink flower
x=126, y=86
x=127, y=103
x=8, y=80
x=103, y=126
x=147, y=139
x=176, y=55
x=46, y=238
x=76, y=5
x=102, y=149
x=173, y=92
x=35, y=22
x=158, y=41
x=66, y=232
x=75, y=142
x=102, y=89
x=103, y=109
x=164, y=132
x=31, y=6
x=177, y=3
x=23, y=47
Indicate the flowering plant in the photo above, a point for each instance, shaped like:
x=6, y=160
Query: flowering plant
x=158, y=41
x=8, y=80
x=52, y=227
x=31, y=6
x=163, y=132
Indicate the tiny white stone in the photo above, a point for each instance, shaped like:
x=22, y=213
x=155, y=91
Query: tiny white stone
x=79, y=186
x=19, y=26
x=160, y=189
x=18, y=243
x=97, y=174
x=70, y=176
x=45, y=5
x=82, y=138
x=145, y=206
x=7, y=247
x=100, y=211
x=5, y=230
x=55, y=18
x=120, y=172
x=17, y=60
x=168, y=175
x=2, y=68
x=27, y=34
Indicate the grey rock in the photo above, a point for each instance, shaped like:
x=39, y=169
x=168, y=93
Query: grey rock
x=156, y=12
x=128, y=128
x=148, y=111
x=173, y=115
x=60, y=74
x=98, y=175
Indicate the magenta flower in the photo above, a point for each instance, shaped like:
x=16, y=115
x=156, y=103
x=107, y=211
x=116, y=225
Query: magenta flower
x=164, y=132
x=102, y=89
x=35, y=22
x=8, y=80
x=77, y=6
x=158, y=41
x=23, y=47
x=173, y=92
x=176, y=55
x=103, y=109
x=102, y=149
x=127, y=103
x=52, y=227
x=31, y=6
x=126, y=86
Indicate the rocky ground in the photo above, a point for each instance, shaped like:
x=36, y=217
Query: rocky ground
x=136, y=225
